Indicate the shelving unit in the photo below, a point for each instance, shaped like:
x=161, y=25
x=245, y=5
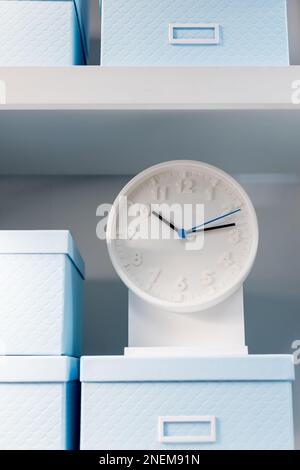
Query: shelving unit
x=88, y=122
x=116, y=121
x=93, y=120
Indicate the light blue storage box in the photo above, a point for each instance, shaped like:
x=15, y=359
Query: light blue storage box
x=43, y=32
x=41, y=293
x=194, y=32
x=39, y=403
x=187, y=403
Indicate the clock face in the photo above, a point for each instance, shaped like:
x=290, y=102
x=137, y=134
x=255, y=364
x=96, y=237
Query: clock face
x=183, y=235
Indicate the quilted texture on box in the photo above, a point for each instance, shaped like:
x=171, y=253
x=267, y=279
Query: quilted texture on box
x=32, y=417
x=253, y=32
x=38, y=299
x=250, y=415
x=39, y=33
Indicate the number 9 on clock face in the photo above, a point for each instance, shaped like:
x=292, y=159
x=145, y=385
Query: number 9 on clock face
x=183, y=235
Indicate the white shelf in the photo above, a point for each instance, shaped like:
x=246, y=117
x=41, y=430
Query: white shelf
x=93, y=120
x=149, y=87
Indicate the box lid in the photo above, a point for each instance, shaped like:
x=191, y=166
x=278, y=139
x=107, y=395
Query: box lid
x=41, y=242
x=38, y=369
x=222, y=368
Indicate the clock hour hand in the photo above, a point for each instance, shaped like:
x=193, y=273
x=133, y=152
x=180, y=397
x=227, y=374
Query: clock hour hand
x=165, y=221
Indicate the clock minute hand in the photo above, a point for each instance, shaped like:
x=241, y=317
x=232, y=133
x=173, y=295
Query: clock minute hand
x=165, y=221
x=193, y=229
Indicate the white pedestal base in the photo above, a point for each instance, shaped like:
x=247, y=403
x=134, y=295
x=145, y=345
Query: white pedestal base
x=216, y=331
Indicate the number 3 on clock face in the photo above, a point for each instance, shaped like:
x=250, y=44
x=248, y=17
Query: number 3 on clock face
x=164, y=270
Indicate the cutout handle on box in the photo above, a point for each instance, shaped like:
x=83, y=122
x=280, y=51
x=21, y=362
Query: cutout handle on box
x=164, y=421
x=174, y=28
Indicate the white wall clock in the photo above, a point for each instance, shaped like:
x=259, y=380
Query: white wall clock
x=164, y=271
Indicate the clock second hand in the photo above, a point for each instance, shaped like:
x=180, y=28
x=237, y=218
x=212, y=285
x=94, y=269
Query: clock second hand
x=207, y=229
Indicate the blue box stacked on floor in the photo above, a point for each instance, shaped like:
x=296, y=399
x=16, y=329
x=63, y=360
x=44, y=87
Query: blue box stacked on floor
x=41, y=293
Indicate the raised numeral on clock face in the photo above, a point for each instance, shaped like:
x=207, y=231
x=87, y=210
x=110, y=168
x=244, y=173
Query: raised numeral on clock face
x=209, y=194
x=154, y=275
x=207, y=279
x=210, y=191
x=137, y=259
x=159, y=193
x=181, y=284
x=185, y=185
x=233, y=269
x=226, y=259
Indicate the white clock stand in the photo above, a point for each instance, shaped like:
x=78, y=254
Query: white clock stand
x=218, y=330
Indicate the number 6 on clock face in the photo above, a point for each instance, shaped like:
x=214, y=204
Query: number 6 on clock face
x=173, y=270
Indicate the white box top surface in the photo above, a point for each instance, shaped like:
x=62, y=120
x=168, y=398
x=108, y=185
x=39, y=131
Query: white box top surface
x=41, y=242
x=156, y=369
x=32, y=369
